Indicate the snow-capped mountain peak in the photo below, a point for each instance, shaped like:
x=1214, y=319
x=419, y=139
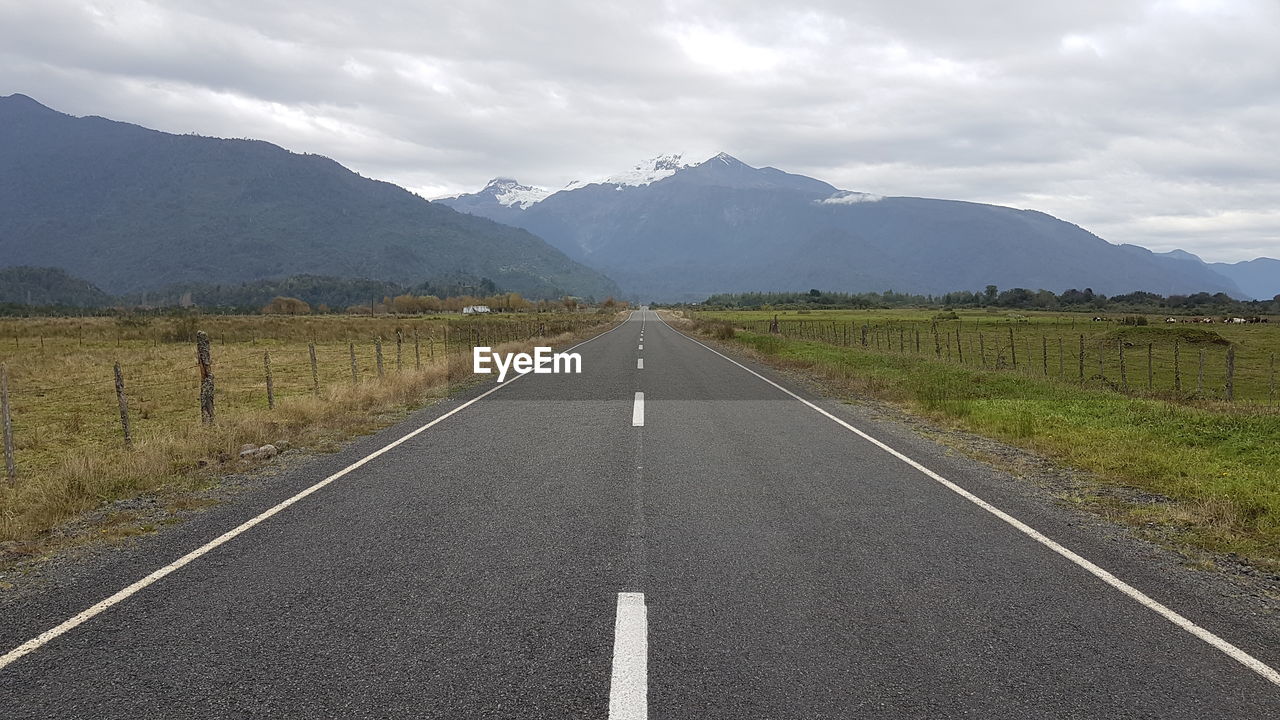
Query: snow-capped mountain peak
x=649, y=171
x=509, y=192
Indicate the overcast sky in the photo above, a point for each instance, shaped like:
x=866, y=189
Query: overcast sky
x=1154, y=122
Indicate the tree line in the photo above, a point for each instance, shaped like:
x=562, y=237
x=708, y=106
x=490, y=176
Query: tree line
x=1014, y=298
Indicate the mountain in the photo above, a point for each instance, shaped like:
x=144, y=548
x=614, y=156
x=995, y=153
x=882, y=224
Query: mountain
x=675, y=231
x=132, y=209
x=1259, y=278
x=48, y=286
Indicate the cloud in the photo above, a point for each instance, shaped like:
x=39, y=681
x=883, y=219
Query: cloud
x=845, y=197
x=1154, y=122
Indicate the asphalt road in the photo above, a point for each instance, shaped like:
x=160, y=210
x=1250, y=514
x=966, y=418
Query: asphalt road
x=551, y=551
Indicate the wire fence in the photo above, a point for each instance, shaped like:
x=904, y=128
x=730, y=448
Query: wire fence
x=61, y=391
x=1174, y=362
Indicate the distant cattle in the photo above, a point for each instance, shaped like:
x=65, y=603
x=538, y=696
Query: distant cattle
x=1097, y=319
x=1234, y=321
x=1171, y=320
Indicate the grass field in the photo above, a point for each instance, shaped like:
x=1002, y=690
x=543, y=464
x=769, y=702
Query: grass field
x=1217, y=463
x=67, y=432
x=1187, y=362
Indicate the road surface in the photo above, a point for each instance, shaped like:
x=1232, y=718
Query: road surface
x=666, y=535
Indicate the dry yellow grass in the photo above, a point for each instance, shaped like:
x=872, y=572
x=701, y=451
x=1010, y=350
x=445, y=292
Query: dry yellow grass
x=70, y=450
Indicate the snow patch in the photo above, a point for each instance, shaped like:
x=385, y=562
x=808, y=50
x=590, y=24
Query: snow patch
x=649, y=171
x=847, y=197
x=510, y=193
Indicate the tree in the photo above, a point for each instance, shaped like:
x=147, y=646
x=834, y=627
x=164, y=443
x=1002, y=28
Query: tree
x=1017, y=297
x=990, y=293
x=286, y=306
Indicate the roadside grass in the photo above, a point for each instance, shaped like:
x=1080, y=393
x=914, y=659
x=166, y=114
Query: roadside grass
x=1178, y=361
x=1219, y=465
x=69, y=444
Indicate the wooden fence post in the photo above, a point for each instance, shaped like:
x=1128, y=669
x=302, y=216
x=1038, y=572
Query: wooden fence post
x=1150, y=369
x=355, y=371
x=959, y=350
x=982, y=349
x=10, y=466
x=399, y=344
x=205, y=361
x=1124, y=375
x=271, y=390
x=1271, y=382
x=1081, y=354
x=1062, y=368
x=1044, y=354
x=1231, y=373
x=1177, y=365
x=315, y=369
x=377, y=351
x=123, y=402
x=417, y=352
x=1013, y=349
x=1200, y=376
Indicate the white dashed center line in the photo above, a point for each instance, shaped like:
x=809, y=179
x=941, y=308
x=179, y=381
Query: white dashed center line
x=629, y=685
x=639, y=363
x=637, y=411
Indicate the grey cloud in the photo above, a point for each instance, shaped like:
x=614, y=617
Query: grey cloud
x=1152, y=122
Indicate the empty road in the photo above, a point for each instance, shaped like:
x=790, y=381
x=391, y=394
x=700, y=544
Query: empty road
x=667, y=534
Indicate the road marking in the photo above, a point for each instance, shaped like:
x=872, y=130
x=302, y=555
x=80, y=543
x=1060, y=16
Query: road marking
x=639, y=363
x=76, y=620
x=629, y=684
x=637, y=411
x=1235, y=653
x=641, y=347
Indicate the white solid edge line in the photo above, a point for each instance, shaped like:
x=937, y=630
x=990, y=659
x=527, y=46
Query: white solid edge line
x=1142, y=598
x=629, y=682
x=71, y=623
x=639, y=363
x=637, y=411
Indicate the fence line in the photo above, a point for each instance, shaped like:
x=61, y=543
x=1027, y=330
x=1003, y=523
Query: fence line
x=207, y=374
x=1239, y=380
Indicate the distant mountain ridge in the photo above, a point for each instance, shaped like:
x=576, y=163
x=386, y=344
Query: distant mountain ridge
x=131, y=209
x=693, y=230
x=24, y=285
x=1258, y=278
